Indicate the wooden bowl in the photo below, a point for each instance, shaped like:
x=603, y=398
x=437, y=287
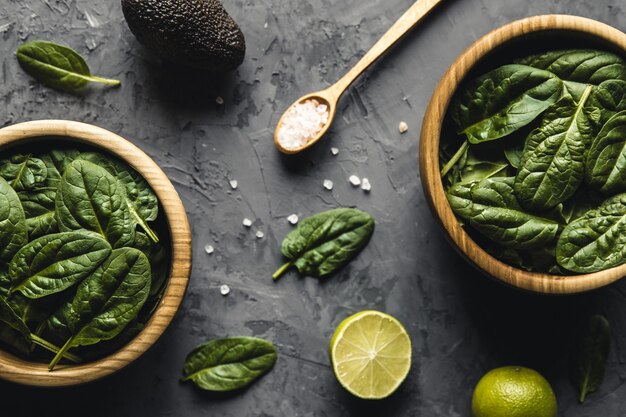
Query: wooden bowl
x=18, y=370
x=514, y=39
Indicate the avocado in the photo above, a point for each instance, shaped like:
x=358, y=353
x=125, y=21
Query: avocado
x=197, y=33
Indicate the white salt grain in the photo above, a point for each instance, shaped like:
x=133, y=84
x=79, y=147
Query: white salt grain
x=208, y=249
x=293, y=218
x=301, y=123
x=247, y=222
x=403, y=127
x=328, y=184
x=224, y=289
x=365, y=185
x=259, y=234
x=234, y=184
x=354, y=180
x=334, y=151
x=219, y=100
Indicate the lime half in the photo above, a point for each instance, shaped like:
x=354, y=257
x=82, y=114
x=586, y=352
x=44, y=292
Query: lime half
x=370, y=354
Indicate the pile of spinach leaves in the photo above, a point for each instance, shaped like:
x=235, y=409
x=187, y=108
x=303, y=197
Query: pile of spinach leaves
x=81, y=268
x=537, y=172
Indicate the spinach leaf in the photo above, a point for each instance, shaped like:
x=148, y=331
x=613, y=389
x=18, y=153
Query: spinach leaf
x=15, y=339
x=52, y=263
x=553, y=162
x=108, y=299
x=23, y=172
x=13, y=229
x=229, y=364
x=597, y=240
x=57, y=66
x=39, y=211
x=10, y=318
x=606, y=160
x=502, y=101
x=591, y=354
x=476, y=169
x=141, y=200
x=326, y=241
x=606, y=100
x=490, y=207
x=577, y=67
x=91, y=198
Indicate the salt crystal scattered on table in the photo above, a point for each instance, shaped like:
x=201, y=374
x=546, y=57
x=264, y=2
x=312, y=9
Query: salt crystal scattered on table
x=224, y=289
x=259, y=234
x=208, y=249
x=334, y=151
x=293, y=218
x=247, y=222
x=354, y=180
x=328, y=184
x=301, y=123
x=365, y=185
x=219, y=100
x=233, y=184
x=265, y=25
x=403, y=127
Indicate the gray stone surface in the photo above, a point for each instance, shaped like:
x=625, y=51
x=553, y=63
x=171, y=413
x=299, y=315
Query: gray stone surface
x=461, y=323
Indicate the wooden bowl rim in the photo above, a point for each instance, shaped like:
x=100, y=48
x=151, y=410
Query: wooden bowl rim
x=429, y=148
x=20, y=371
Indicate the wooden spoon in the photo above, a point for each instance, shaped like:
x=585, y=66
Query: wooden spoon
x=331, y=95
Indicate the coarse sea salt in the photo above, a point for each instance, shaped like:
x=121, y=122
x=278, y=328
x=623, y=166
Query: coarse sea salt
x=403, y=127
x=224, y=289
x=259, y=234
x=301, y=123
x=328, y=184
x=234, y=184
x=354, y=180
x=209, y=249
x=365, y=185
x=293, y=218
x=334, y=151
x=247, y=222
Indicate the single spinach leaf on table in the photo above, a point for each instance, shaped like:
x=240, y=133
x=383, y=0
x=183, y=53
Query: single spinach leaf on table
x=57, y=66
x=606, y=160
x=578, y=67
x=490, y=207
x=53, y=263
x=553, y=162
x=23, y=171
x=597, y=240
x=591, y=354
x=502, y=101
x=229, y=364
x=13, y=229
x=326, y=241
x=91, y=198
x=108, y=300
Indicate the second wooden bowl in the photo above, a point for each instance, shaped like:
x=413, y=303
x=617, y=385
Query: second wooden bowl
x=46, y=132
x=514, y=39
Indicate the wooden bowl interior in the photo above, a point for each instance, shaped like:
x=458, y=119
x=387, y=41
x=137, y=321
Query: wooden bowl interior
x=172, y=227
x=503, y=45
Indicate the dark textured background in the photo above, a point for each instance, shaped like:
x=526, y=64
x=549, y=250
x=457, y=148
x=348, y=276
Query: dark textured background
x=461, y=323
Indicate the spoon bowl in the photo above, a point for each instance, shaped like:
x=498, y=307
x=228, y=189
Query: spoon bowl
x=332, y=94
x=323, y=97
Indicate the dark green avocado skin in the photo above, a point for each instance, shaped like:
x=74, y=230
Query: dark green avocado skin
x=197, y=33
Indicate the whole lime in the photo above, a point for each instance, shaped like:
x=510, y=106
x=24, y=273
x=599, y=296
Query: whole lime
x=513, y=391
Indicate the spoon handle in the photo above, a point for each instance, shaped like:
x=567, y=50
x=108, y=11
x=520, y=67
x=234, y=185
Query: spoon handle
x=403, y=25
